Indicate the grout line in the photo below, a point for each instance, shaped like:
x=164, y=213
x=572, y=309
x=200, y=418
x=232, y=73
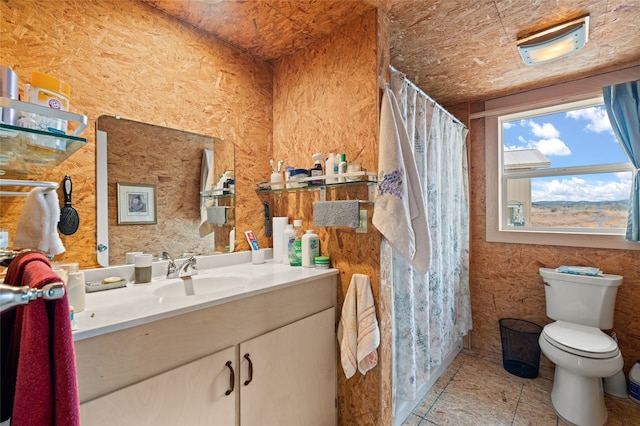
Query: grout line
x=513, y=420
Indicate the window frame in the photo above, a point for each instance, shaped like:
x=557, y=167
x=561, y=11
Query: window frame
x=583, y=90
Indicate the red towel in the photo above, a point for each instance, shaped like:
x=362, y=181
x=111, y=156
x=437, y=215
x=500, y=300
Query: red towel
x=39, y=357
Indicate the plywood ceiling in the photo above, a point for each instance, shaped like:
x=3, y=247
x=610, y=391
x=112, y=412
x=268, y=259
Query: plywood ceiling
x=455, y=51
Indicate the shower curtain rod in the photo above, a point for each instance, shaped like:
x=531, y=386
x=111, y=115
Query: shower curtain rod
x=412, y=84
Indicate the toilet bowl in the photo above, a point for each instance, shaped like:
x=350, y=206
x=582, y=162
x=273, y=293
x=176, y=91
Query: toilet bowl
x=581, y=352
x=577, y=394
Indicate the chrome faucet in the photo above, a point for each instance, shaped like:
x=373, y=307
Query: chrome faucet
x=172, y=268
x=188, y=268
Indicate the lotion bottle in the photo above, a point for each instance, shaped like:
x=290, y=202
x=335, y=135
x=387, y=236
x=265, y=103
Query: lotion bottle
x=289, y=234
x=310, y=249
x=342, y=168
x=331, y=169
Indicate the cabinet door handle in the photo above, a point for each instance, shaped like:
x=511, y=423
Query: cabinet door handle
x=250, y=378
x=232, y=378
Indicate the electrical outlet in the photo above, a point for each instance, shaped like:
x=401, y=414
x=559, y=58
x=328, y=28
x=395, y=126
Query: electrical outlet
x=364, y=222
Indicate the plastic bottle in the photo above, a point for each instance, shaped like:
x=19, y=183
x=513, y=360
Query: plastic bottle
x=331, y=169
x=316, y=170
x=295, y=244
x=288, y=235
x=634, y=383
x=310, y=249
x=342, y=168
x=48, y=91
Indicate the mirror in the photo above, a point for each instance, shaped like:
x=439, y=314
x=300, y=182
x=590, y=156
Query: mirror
x=163, y=167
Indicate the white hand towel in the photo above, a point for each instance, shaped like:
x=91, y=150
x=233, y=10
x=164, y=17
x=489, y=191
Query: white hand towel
x=399, y=212
x=206, y=183
x=358, y=332
x=37, y=224
x=55, y=243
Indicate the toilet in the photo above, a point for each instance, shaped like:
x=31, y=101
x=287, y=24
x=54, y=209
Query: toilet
x=581, y=306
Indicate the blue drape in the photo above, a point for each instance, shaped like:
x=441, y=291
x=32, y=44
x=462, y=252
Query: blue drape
x=622, y=102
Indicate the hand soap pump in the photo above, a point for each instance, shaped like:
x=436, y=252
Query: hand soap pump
x=316, y=170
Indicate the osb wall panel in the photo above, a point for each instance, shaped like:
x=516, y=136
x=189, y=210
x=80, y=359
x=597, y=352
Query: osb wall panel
x=325, y=100
x=140, y=64
x=505, y=282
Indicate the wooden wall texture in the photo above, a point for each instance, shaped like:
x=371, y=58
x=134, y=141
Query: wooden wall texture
x=325, y=100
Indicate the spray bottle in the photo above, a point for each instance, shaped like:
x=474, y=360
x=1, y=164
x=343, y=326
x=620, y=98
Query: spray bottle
x=316, y=170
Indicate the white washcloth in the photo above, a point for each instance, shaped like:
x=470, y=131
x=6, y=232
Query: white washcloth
x=37, y=227
x=55, y=243
x=206, y=183
x=358, y=332
x=399, y=212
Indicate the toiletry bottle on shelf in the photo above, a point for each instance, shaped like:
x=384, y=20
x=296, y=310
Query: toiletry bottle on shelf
x=342, y=168
x=331, y=169
x=287, y=175
x=295, y=244
x=310, y=249
x=316, y=170
x=289, y=234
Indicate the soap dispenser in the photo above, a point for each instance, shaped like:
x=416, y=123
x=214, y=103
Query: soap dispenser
x=316, y=170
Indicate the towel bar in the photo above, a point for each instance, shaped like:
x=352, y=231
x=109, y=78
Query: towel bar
x=50, y=186
x=11, y=296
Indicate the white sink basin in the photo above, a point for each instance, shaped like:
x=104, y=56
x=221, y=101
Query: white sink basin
x=198, y=285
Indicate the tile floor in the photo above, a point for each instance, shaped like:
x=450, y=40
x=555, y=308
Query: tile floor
x=474, y=391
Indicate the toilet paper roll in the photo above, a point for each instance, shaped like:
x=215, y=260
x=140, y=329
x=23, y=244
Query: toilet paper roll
x=278, y=237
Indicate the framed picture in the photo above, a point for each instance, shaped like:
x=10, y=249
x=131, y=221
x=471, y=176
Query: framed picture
x=137, y=204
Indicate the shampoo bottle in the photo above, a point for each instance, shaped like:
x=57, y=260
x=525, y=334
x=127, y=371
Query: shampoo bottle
x=295, y=244
x=310, y=249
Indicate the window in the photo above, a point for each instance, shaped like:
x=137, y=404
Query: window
x=555, y=173
x=563, y=170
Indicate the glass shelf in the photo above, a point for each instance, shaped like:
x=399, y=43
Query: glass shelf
x=304, y=184
x=217, y=193
x=26, y=151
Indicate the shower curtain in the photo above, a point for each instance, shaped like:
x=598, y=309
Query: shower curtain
x=431, y=311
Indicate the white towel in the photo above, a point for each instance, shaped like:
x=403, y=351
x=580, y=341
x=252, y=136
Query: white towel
x=399, y=212
x=358, y=332
x=37, y=227
x=206, y=183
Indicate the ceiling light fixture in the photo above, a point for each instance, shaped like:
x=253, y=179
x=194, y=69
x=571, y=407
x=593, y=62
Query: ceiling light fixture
x=555, y=42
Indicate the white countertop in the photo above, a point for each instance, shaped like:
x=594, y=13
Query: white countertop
x=117, y=309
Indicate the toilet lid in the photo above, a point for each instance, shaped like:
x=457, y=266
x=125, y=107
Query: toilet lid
x=580, y=340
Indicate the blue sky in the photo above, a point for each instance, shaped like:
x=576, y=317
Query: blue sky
x=575, y=138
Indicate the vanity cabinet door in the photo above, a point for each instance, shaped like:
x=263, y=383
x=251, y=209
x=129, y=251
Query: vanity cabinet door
x=288, y=376
x=192, y=394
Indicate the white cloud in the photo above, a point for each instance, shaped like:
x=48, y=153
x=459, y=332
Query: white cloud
x=546, y=146
x=507, y=125
x=597, y=118
x=544, y=130
x=553, y=146
x=577, y=189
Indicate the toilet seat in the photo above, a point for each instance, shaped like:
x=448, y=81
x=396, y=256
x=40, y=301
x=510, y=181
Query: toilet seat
x=580, y=340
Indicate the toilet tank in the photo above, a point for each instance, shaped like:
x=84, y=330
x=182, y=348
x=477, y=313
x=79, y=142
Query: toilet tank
x=581, y=299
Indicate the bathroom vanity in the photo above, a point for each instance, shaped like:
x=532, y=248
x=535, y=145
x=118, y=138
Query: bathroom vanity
x=260, y=351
